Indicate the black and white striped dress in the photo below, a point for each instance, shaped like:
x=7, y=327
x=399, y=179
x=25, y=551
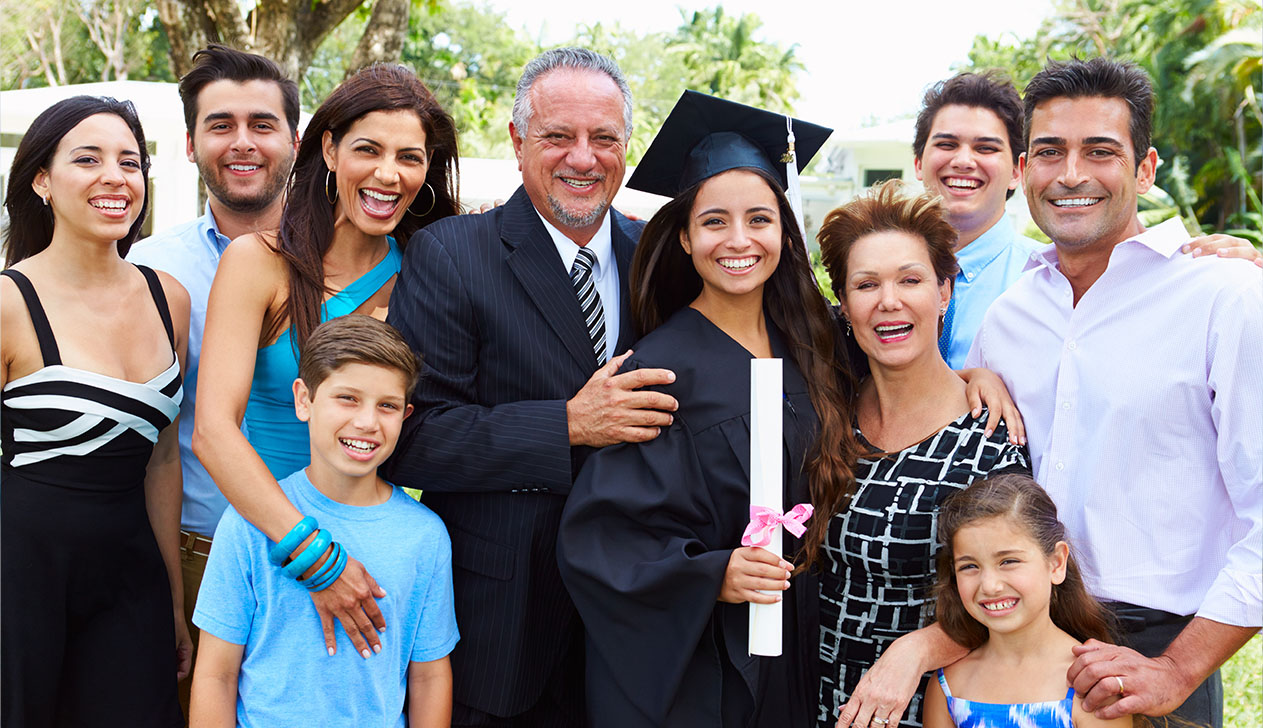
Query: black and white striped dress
x=86, y=620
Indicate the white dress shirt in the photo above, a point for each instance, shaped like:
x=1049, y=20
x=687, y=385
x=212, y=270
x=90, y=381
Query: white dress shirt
x=1144, y=412
x=604, y=274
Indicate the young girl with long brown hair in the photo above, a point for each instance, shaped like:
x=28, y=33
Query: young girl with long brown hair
x=1009, y=589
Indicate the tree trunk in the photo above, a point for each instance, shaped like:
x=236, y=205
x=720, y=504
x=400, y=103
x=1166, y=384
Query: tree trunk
x=287, y=31
x=383, y=37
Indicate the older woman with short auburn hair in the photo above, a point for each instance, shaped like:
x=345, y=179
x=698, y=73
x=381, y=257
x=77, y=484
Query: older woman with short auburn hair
x=889, y=257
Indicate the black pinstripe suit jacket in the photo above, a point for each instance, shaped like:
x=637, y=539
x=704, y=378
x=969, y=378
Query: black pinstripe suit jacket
x=487, y=302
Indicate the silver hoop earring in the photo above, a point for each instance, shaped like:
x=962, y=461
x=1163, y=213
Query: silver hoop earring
x=45, y=199
x=333, y=199
x=434, y=199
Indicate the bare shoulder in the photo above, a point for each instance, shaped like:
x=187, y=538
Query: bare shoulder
x=177, y=296
x=178, y=303
x=257, y=250
x=251, y=264
x=19, y=348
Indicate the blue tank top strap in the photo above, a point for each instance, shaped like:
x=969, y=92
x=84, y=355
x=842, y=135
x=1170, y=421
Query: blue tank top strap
x=1069, y=694
x=942, y=681
x=353, y=296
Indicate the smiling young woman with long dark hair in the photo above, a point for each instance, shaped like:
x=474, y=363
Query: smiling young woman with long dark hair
x=650, y=545
x=92, y=348
x=378, y=161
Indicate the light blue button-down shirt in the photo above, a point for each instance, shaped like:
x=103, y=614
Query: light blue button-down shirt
x=190, y=253
x=988, y=266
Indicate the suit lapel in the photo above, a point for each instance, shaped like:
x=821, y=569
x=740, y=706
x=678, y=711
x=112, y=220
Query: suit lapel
x=538, y=268
x=624, y=237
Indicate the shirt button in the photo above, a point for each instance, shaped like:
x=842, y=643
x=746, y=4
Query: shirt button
x=1061, y=466
x=1071, y=345
x=1065, y=405
x=969, y=276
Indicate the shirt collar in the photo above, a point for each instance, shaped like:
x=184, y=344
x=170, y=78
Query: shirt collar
x=1165, y=239
x=601, y=245
x=216, y=239
x=987, y=247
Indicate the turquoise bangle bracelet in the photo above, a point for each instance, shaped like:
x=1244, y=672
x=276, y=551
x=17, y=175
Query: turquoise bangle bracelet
x=325, y=568
x=310, y=555
x=296, y=535
x=338, y=567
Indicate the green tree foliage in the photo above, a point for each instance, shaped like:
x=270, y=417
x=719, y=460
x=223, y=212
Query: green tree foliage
x=1204, y=58
x=59, y=42
x=471, y=59
x=710, y=51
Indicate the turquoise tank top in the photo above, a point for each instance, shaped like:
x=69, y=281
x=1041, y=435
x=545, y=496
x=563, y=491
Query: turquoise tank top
x=971, y=714
x=276, y=434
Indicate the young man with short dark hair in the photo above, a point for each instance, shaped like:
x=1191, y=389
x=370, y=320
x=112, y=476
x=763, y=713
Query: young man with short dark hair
x=241, y=115
x=968, y=139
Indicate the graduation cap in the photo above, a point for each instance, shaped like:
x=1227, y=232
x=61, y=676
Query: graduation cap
x=705, y=135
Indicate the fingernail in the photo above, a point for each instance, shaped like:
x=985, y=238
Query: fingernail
x=785, y=586
x=332, y=652
x=1196, y=251
x=1184, y=248
x=366, y=654
x=670, y=376
x=377, y=649
x=977, y=412
x=987, y=432
x=381, y=629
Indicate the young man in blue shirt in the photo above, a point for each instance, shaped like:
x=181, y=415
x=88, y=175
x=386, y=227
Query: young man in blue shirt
x=968, y=139
x=241, y=115
x=260, y=663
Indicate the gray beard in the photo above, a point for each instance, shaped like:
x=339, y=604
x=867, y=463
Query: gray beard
x=570, y=220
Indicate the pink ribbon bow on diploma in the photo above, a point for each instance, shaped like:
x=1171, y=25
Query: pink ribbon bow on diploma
x=763, y=520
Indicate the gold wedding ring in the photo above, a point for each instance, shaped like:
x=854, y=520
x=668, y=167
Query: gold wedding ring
x=1121, y=692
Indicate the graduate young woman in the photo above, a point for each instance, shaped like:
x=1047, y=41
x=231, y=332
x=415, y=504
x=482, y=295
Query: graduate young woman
x=650, y=541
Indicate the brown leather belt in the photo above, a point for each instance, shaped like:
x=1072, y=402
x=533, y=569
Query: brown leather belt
x=194, y=542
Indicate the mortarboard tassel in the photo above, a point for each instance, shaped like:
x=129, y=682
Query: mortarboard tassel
x=793, y=192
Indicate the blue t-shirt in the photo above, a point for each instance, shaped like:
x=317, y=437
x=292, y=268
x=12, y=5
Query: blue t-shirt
x=287, y=677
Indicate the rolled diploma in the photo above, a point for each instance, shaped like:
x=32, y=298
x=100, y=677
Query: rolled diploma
x=766, y=421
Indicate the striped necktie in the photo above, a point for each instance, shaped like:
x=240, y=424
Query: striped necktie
x=945, y=339
x=589, y=300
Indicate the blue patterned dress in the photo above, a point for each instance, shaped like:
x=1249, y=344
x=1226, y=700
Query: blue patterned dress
x=971, y=714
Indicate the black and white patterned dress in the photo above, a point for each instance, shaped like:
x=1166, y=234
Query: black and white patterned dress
x=86, y=620
x=878, y=569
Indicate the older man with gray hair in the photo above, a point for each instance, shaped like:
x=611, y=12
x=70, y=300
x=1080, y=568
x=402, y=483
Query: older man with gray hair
x=520, y=315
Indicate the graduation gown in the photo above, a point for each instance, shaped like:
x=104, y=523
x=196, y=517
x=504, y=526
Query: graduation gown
x=645, y=540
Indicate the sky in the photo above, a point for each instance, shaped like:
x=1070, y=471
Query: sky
x=864, y=60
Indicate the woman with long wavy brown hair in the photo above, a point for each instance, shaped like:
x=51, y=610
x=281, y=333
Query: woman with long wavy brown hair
x=378, y=161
